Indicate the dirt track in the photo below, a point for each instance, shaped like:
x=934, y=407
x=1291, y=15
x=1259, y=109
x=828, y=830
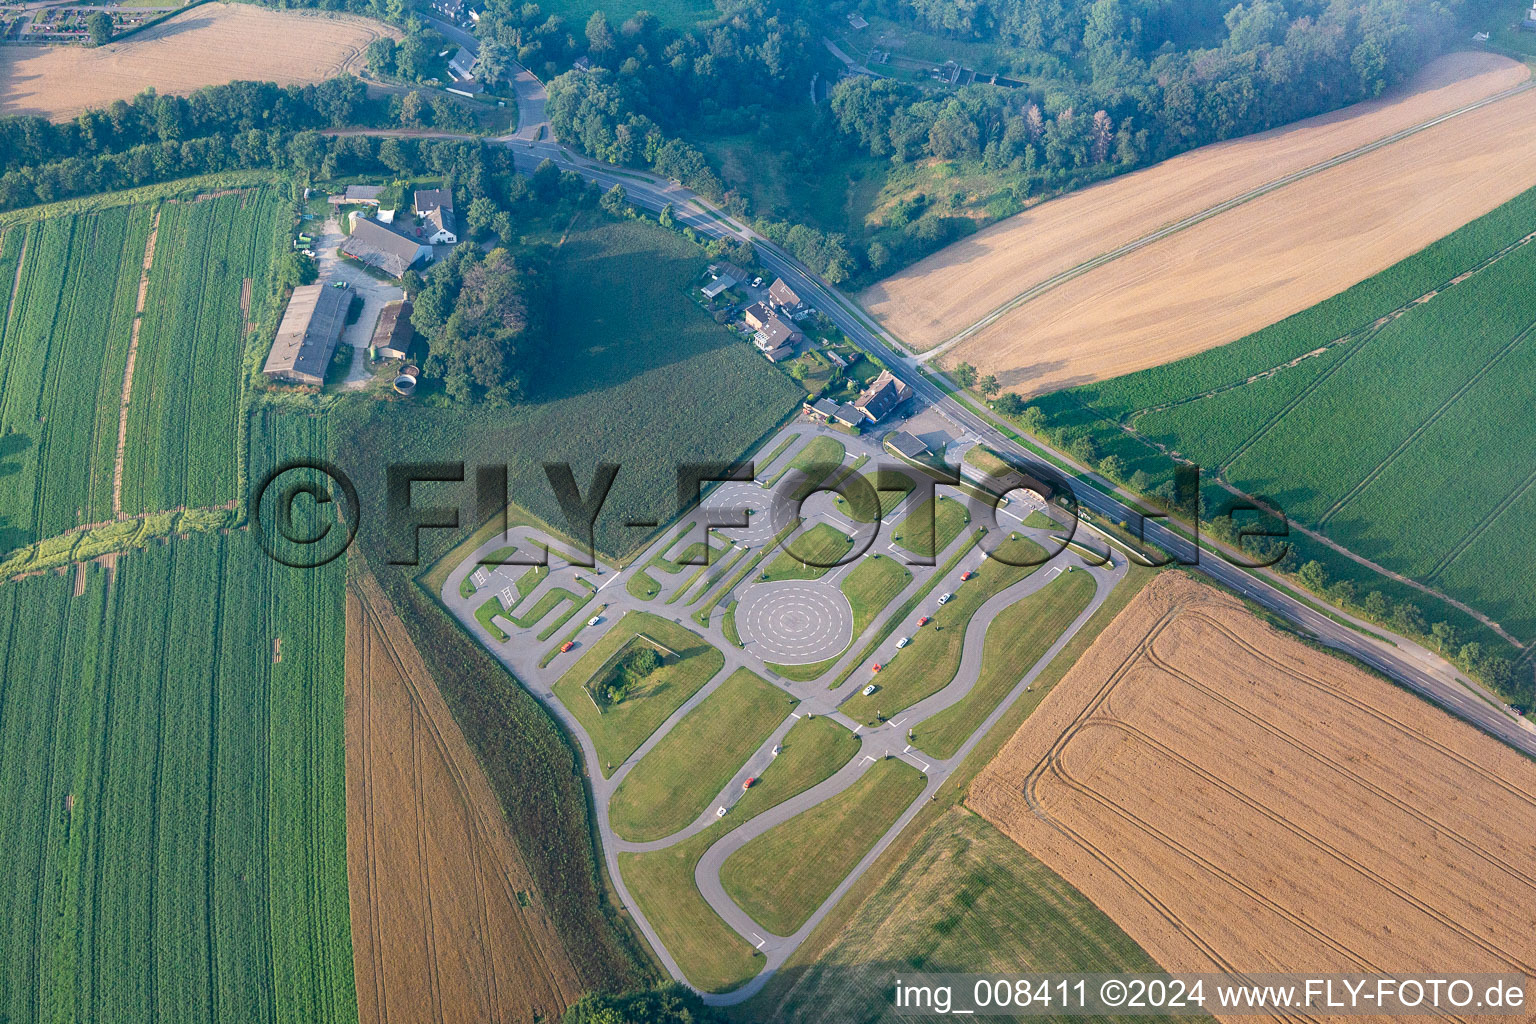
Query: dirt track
x=952, y=289
x=209, y=45
x=1238, y=801
x=440, y=929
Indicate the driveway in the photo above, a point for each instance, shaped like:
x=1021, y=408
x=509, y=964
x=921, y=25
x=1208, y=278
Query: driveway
x=376, y=294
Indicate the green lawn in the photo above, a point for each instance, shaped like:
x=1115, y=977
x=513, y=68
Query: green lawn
x=861, y=510
x=945, y=521
x=965, y=899
x=676, y=781
x=619, y=729
x=818, y=460
x=1040, y=521
x=485, y=615
x=712, y=956
x=809, y=556
x=783, y=875
x=873, y=584
x=1017, y=638
x=710, y=953
x=930, y=661
x=641, y=585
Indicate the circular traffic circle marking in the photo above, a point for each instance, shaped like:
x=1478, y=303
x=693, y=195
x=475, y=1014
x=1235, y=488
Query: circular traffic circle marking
x=795, y=622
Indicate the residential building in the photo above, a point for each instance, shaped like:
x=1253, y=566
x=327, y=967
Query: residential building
x=757, y=316
x=383, y=248
x=783, y=296
x=461, y=64
x=435, y=206
x=883, y=397
x=776, y=334
x=393, y=334
x=307, y=337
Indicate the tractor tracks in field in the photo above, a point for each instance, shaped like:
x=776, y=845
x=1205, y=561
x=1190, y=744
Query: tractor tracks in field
x=133, y=354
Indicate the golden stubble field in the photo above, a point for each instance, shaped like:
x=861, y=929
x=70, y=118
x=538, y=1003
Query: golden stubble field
x=1238, y=801
x=446, y=923
x=209, y=45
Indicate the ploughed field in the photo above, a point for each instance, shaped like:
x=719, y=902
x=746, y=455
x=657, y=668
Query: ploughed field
x=1238, y=801
x=446, y=922
x=1236, y=271
x=210, y=45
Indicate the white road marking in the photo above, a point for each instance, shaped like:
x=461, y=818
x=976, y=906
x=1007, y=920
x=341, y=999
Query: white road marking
x=916, y=760
x=760, y=940
x=1056, y=571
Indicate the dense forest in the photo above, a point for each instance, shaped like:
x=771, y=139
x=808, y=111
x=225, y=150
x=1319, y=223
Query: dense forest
x=1105, y=86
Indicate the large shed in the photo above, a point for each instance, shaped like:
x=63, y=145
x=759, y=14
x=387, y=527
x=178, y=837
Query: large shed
x=307, y=337
x=381, y=247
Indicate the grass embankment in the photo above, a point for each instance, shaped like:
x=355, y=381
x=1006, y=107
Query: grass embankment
x=1017, y=638
x=676, y=780
x=936, y=518
x=964, y=899
x=783, y=875
x=810, y=556
x=817, y=460
x=929, y=663
x=710, y=953
x=618, y=729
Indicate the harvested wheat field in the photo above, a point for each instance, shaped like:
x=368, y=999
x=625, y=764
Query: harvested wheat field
x=446, y=925
x=1251, y=266
x=208, y=45
x=1238, y=801
x=934, y=299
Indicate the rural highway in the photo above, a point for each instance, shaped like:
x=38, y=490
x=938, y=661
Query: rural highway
x=651, y=193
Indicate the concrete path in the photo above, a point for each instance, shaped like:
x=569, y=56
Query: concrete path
x=784, y=605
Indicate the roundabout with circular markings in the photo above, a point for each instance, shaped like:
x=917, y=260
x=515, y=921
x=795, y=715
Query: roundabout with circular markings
x=795, y=622
x=734, y=499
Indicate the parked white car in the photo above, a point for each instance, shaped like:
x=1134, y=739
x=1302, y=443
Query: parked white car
x=868, y=690
x=944, y=598
x=594, y=620
x=903, y=642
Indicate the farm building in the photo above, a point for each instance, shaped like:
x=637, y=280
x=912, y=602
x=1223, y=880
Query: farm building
x=358, y=195
x=883, y=396
x=307, y=337
x=783, y=296
x=435, y=207
x=380, y=247
x=824, y=410
x=393, y=333
x=718, y=285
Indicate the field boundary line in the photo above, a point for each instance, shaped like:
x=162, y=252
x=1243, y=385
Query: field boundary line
x=133, y=353
x=1429, y=421
x=1192, y=220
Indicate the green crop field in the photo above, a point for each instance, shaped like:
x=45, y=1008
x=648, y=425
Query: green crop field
x=966, y=899
x=783, y=875
x=186, y=385
x=930, y=661
x=674, y=783
x=635, y=375
x=1393, y=418
x=175, y=819
x=620, y=728
x=67, y=291
x=1016, y=640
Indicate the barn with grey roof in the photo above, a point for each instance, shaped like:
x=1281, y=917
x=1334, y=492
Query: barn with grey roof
x=307, y=337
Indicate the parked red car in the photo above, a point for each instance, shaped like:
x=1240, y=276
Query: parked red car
x=924, y=621
x=567, y=646
x=966, y=575
x=748, y=783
